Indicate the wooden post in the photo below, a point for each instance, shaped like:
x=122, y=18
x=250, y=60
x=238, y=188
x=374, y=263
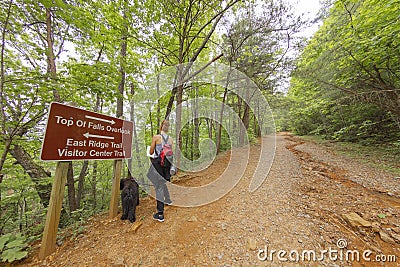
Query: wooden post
x=115, y=189
x=54, y=210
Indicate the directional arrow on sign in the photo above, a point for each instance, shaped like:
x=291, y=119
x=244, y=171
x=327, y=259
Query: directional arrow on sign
x=87, y=135
x=108, y=134
x=99, y=119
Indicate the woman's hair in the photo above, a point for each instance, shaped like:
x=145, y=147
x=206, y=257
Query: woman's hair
x=164, y=126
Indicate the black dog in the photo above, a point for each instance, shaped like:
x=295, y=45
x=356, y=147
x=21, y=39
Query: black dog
x=129, y=197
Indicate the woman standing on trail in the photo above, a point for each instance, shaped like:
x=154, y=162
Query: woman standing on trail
x=160, y=172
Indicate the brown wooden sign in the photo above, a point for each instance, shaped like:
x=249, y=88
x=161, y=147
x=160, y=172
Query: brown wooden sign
x=77, y=134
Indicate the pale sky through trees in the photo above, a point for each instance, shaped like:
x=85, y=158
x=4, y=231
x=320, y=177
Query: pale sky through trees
x=306, y=8
x=309, y=8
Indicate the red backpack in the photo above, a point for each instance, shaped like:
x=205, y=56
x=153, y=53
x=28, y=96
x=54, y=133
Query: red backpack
x=166, y=154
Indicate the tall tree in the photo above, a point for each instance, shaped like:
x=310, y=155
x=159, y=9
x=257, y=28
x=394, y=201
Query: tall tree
x=182, y=31
x=356, y=52
x=24, y=108
x=259, y=42
x=349, y=68
x=8, y=140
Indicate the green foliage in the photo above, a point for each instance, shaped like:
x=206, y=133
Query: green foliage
x=346, y=83
x=342, y=120
x=281, y=106
x=17, y=193
x=13, y=247
x=256, y=43
x=87, y=38
x=381, y=216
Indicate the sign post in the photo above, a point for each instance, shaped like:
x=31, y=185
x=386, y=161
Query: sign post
x=115, y=189
x=77, y=134
x=54, y=210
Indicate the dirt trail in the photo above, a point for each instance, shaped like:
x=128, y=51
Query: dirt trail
x=299, y=207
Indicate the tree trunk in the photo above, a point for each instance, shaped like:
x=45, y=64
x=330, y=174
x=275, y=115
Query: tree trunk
x=122, y=62
x=219, y=133
x=196, y=139
x=210, y=132
x=21, y=207
x=151, y=123
x=7, y=145
x=179, y=95
x=246, y=115
x=158, y=101
x=1, y=207
x=81, y=182
x=171, y=102
x=94, y=187
x=8, y=141
x=135, y=137
x=71, y=188
x=36, y=172
x=97, y=108
x=185, y=43
x=239, y=121
x=191, y=138
x=3, y=45
x=117, y=167
x=258, y=119
x=51, y=63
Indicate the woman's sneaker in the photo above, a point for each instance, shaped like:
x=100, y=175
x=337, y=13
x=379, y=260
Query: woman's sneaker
x=158, y=217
